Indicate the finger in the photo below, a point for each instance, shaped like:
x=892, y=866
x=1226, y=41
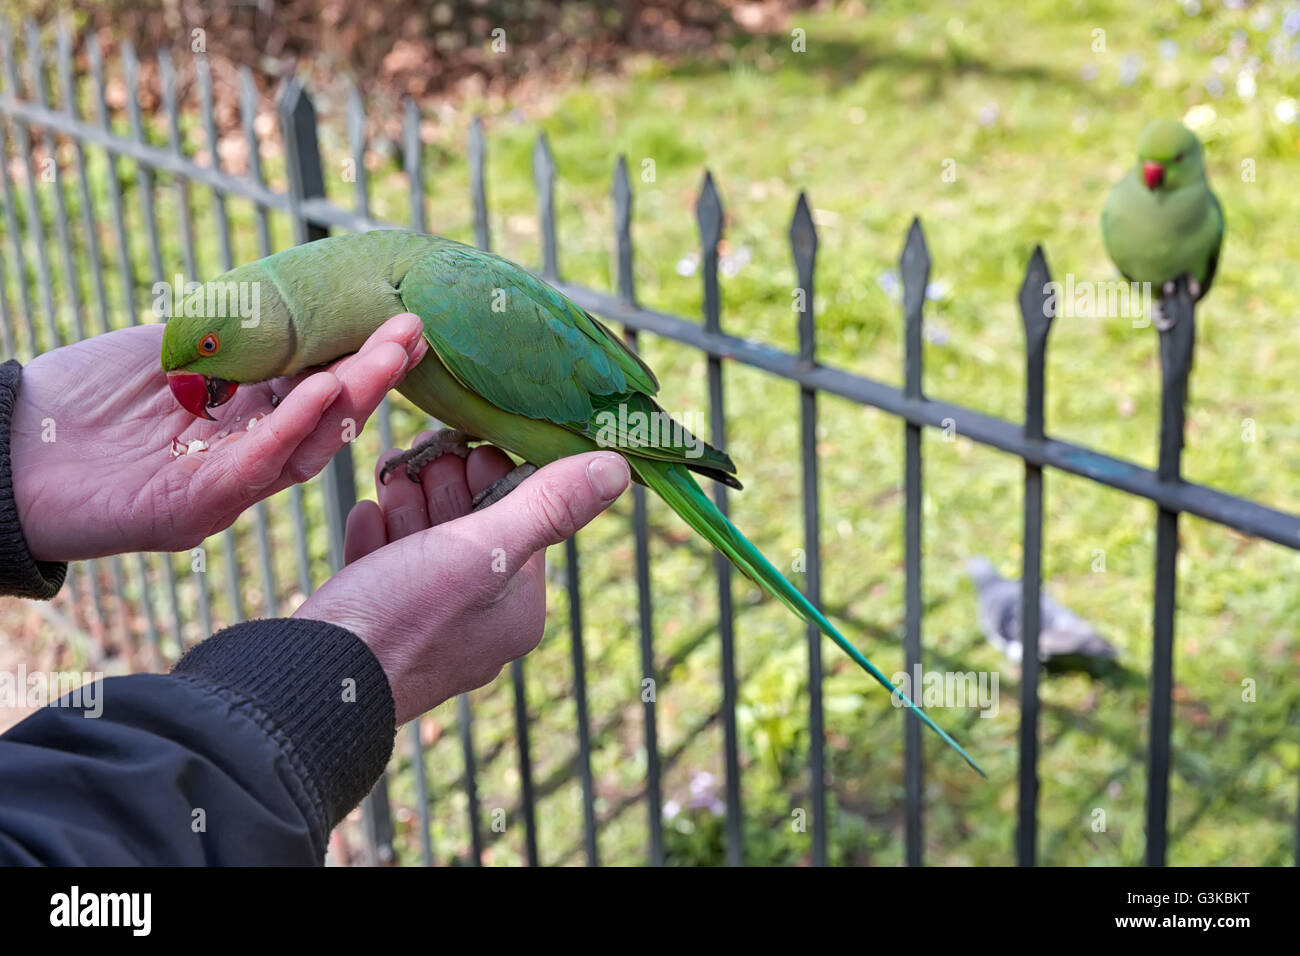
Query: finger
x=405, y=330
x=551, y=505
x=240, y=472
x=364, y=532
x=401, y=500
x=366, y=377
x=446, y=495
x=365, y=382
x=486, y=464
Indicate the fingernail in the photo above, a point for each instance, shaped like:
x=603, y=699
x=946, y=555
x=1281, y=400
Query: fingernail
x=608, y=475
x=399, y=371
x=333, y=394
x=417, y=330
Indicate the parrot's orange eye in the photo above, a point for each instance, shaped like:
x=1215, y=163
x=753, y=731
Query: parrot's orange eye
x=209, y=344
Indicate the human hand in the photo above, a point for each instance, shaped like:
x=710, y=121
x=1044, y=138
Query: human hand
x=93, y=425
x=444, y=597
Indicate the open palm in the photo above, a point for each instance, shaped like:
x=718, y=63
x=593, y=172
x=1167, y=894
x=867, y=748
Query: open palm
x=94, y=462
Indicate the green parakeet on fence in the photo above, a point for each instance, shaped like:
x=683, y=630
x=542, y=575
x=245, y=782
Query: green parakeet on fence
x=1161, y=221
x=511, y=361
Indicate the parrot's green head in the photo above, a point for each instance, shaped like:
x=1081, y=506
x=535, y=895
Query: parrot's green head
x=1169, y=156
x=234, y=329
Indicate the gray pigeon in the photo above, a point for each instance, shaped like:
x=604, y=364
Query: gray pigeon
x=1062, y=634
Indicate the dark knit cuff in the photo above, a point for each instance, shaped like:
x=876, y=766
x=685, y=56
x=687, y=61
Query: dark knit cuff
x=20, y=574
x=322, y=688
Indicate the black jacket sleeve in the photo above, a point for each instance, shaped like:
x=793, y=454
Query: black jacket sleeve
x=19, y=573
x=255, y=746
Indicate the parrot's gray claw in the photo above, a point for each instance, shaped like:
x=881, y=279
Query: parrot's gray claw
x=1158, y=317
x=1169, y=287
x=1194, y=288
x=445, y=441
x=501, y=487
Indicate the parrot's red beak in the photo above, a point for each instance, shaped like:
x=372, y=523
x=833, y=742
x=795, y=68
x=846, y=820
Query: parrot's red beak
x=1153, y=173
x=197, y=393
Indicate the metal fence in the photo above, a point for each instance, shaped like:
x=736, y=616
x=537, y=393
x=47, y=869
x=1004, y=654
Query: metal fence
x=34, y=120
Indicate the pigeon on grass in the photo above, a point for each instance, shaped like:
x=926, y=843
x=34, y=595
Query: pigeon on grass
x=1064, y=638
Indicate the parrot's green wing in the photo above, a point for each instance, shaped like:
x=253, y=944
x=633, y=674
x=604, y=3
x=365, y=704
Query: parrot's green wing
x=1212, y=266
x=1111, y=223
x=515, y=340
x=518, y=343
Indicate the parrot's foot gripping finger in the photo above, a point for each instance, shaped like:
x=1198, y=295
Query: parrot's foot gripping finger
x=1194, y=288
x=501, y=487
x=446, y=441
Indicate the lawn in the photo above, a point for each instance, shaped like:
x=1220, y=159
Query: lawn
x=1002, y=125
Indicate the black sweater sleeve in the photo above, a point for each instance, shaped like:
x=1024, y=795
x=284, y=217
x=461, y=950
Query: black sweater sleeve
x=19, y=574
x=255, y=746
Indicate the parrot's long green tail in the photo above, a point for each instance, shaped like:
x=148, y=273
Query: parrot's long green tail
x=675, y=485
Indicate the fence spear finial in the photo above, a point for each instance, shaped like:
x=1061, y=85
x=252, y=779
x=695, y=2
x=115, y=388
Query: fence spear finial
x=914, y=269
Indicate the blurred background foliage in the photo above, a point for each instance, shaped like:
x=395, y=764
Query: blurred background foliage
x=395, y=48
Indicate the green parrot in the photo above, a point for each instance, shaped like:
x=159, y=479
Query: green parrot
x=511, y=361
x=1161, y=221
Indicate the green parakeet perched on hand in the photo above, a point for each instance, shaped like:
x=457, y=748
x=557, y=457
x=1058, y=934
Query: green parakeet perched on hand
x=511, y=361
x=1161, y=221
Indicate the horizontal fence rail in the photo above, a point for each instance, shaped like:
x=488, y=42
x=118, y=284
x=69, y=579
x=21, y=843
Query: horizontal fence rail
x=34, y=121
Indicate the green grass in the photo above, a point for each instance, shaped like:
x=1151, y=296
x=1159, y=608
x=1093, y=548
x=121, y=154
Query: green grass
x=1037, y=126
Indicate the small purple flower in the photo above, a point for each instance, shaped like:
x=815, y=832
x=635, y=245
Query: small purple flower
x=936, y=334
x=888, y=282
x=671, y=809
x=704, y=791
x=733, y=263
x=1214, y=86
x=1129, y=68
x=1291, y=22
x=702, y=783
x=988, y=115
x=1168, y=49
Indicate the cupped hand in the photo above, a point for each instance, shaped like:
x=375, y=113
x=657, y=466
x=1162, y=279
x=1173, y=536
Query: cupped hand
x=444, y=597
x=95, y=466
